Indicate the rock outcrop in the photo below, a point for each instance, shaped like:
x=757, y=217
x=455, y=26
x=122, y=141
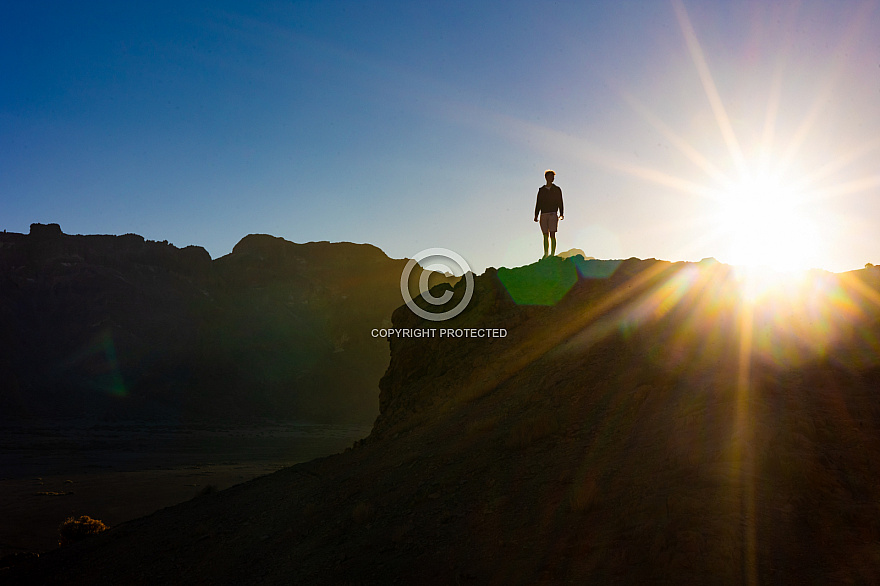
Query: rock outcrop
x=573, y=252
x=657, y=423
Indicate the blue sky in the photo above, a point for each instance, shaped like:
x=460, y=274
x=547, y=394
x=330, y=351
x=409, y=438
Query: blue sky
x=412, y=125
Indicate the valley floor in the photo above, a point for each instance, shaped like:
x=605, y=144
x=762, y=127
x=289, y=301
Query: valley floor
x=116, y=473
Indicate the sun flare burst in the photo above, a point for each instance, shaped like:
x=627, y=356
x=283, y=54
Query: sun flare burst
x=764, y=222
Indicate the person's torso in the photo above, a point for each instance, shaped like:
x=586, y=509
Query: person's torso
x=549, y=198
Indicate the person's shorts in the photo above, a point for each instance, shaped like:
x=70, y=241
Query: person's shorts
x=549, y=222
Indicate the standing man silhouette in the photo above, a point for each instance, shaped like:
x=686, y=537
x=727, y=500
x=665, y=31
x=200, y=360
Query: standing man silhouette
x=549, y=202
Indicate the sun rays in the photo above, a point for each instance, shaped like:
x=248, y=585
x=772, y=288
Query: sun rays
x=766, y=197
x=766, y=175
x=763, y=206
x=767, y=224
x=764, y=222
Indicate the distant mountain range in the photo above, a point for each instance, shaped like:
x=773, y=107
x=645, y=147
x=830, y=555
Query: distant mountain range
x=122, y=328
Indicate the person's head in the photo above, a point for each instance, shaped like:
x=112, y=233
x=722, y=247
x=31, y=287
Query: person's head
x=549, y=175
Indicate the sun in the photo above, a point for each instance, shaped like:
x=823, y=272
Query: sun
x=763, y=221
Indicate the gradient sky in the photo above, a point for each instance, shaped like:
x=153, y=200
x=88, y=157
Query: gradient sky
x=412, y=125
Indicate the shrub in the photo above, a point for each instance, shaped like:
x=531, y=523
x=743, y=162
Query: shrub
x=76, y=529
x=206, y=490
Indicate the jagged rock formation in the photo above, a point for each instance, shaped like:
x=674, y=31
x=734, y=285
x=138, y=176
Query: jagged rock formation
x=662, y=423
x=116, y=327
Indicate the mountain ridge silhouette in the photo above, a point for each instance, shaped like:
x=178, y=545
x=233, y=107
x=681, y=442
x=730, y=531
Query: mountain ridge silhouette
x=122, y=328
x=653, y=425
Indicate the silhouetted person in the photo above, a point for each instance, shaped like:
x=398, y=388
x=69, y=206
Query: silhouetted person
x=548, y=204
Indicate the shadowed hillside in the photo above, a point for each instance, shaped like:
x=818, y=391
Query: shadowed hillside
x=116, y=327
x=642, y=422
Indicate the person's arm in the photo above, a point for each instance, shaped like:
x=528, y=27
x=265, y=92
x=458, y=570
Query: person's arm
x=537, y=205
x=561, y=209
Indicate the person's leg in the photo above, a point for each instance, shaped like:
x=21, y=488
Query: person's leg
x=545, y=244
x=552, y=244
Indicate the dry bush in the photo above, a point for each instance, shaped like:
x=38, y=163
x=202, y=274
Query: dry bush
x=207, y=489
x=75, y=529
x=532, y=429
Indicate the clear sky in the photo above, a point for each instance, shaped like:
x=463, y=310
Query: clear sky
x=683, y=129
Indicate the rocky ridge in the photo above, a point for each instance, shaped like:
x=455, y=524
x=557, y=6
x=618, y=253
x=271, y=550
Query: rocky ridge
x=641, y=422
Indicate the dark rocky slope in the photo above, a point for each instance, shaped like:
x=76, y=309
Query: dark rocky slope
x=646, y=424
x=116, y=327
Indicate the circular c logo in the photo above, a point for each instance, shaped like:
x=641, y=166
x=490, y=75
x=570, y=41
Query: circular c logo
x=444, y=255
